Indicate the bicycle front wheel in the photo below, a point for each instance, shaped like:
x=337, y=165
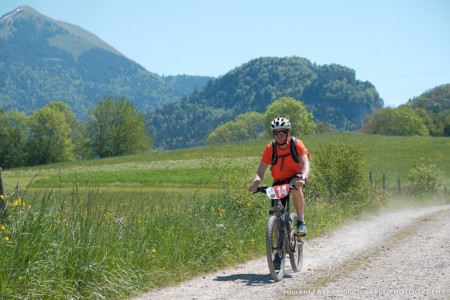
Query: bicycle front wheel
x=275, y=247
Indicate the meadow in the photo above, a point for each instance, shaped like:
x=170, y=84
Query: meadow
x=116, y=227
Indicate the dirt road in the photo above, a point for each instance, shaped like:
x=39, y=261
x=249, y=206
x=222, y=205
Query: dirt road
x=397, y=255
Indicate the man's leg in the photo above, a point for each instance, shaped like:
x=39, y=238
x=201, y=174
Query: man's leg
x=299, y=201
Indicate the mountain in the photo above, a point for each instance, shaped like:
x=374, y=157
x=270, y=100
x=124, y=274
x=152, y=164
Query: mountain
x=43, y=60
x=330, y=92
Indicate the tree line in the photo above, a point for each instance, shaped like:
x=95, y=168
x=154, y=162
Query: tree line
x=53, y=134
x=426, y=115
x=117, y=127
x=253, y=125
x=405, y=120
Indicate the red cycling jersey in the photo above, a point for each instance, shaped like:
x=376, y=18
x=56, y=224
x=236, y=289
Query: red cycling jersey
x=285, y=167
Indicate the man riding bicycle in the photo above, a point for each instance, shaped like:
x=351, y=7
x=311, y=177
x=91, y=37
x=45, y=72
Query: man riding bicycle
x=289, y=162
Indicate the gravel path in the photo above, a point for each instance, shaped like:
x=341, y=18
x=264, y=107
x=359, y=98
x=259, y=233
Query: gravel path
x=397, y=255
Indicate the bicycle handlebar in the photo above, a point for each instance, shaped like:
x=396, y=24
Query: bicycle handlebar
x=262, y=189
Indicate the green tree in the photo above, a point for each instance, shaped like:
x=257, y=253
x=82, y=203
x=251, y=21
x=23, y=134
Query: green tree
x=13, y=132
x=77, y=129
x=245, y=127
x=401, y=121
x=116, y=127
x=301, y=120
x=431, y=121
x=50, y=136
x=445, y=117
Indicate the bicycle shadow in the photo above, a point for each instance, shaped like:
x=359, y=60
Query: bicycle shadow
x=249, y=279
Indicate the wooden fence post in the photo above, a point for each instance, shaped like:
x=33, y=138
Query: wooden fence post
x=384, y=183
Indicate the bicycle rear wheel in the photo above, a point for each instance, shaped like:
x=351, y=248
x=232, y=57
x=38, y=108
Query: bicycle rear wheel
x=274, y=246
x=295, y=247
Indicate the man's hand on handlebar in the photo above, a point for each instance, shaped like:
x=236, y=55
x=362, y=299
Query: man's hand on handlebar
x=254, y=187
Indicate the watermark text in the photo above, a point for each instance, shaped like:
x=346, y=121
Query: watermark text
x=368, y=291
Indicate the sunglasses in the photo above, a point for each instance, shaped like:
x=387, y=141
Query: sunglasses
x=284, y=132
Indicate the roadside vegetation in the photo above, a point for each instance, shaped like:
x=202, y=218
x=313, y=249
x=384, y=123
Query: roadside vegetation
x=119, y=226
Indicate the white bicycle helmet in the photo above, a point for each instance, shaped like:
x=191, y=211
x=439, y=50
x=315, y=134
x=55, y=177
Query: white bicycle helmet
x=280, y=123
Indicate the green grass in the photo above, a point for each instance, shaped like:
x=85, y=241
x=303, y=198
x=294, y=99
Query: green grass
x=392, y=156
x=116, y=227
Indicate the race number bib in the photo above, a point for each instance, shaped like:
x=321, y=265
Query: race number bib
x=278, y=191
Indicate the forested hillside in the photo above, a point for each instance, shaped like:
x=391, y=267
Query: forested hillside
x=331, y=92
x=425, y=115
x=44, y=60
x=436, y=100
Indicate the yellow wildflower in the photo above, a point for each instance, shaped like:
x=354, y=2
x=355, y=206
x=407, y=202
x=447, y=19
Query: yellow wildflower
x=3, y=227
x=6, y=238
x=2, y=197
x=153, y=251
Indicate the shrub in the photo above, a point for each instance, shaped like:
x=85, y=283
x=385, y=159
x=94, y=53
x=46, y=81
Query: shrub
x=425, y=177
x=339, y=170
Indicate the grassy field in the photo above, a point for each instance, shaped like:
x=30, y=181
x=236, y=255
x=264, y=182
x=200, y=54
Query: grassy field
x=190, y=168
x=116, y=227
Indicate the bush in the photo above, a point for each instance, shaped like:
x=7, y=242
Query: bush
x=340, y=171
x=425, y=177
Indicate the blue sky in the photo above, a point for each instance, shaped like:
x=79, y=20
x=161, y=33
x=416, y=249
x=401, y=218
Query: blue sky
x=401, y=46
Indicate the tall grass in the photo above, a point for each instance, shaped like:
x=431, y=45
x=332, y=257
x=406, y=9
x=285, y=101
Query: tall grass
x=90, y=245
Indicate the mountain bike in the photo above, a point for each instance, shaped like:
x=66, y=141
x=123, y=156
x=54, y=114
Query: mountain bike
x=281, y=239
